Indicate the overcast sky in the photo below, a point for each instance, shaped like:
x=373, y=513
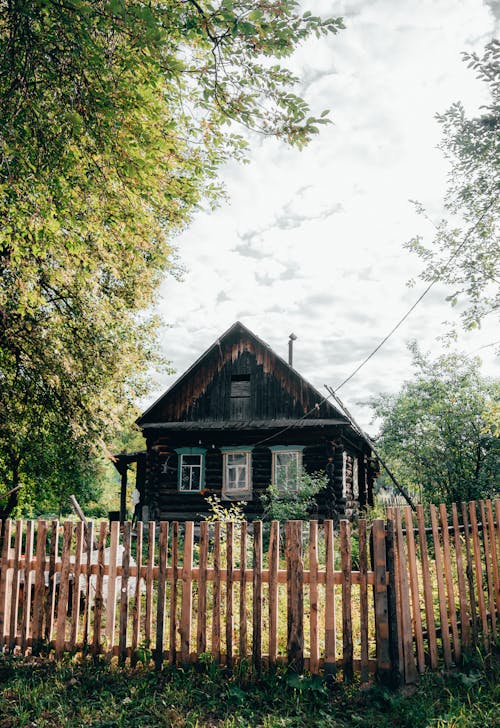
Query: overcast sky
x=311, y=241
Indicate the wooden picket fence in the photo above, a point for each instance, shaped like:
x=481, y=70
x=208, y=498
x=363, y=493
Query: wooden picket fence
x=417, y=598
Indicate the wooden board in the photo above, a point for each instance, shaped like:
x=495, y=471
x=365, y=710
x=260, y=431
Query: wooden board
x=330, y=617
x=148, y=616
x=77, y=571
x=28, y=581
x=15, y=582
x=216, y=596
x=470, y=573
x=172, y=654
x=187, y=593
x=479, y=573
x=257, y=597
x=449, y=583
x=201, y=631
x=136, y=611
x=39, y=591
x=62, y=602
x=313, y=598
x=295, y=596
x=123, y=622
x=111, y=595
x=4, y=584
x=494, y=557
x=51, y=594
x=346, y=562
x=414, y=587
x=363, y=600
x=443, y=615
x=380, y=597
x=462, y=595
x=243, y=590
x=99, y=601
x=410, y=670
x=229, y=594
x=489, y=570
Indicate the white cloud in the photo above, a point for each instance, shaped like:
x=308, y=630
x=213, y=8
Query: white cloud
x=311, y=241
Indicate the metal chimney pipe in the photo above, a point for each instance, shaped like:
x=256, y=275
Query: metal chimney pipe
x=292, y=338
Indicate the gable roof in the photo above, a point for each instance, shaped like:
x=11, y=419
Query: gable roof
x=174, y=403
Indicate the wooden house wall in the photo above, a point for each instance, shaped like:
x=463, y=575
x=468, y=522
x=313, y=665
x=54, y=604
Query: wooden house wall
x=165, y=500
x=276, y=390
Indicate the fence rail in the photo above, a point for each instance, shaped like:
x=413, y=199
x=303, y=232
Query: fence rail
x=394, y=598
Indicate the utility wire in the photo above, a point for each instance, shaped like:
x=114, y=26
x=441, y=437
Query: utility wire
x=413, y=307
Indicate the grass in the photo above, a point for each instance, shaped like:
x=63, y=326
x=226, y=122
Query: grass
x=40, y=692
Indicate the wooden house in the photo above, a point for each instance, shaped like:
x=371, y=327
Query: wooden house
x=238, y=419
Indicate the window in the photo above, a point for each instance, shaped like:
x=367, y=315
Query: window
x=240, y=397
x=236, y=479
x=287, y=466
x=191, y=469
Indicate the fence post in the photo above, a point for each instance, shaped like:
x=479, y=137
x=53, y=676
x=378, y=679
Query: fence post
x=380, y=598
x=392, y=612
x=295, y=596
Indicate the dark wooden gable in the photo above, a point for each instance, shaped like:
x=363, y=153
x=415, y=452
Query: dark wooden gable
x=239, y=378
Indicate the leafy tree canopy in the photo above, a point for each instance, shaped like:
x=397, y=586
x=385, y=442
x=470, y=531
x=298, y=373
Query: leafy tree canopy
x=437, y=432
x=465, y=251
x=115, y=116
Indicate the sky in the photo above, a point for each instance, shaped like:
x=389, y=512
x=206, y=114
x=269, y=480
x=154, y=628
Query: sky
x=311, y=241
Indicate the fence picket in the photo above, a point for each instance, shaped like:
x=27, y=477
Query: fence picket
x=161, y=594
x=89, y=548
x=4, y=582
x=410, y=671
x=380, y=598
x=445, y=635
x=201, y=626
x=363, y=599
x=111, y=591
x=257, y=597
x=216, y=595
x=172, y=654
x=99, y=601
x=229, y=594
x=428, y=597
x=415, y=597
x=26, y=606
x=452, y=614
x=123, y=624
x=39, y=591
x=136, y=612
x=479, y=572
x=462, y=597
x=313, y=598
x=494, y=558
x=62, y=602
x=14, y=587
x=488, y=568
x=243, y=590
x=274, y=541
x=51, y=593
x=346, y=561
x=295, y=596
x=187, y=593
x=330, y=620
x=148, y=616
x=470, y=573
x=75, y=601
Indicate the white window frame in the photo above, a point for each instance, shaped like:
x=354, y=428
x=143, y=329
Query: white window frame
x=245, y=492
x=191, y=452
x=288, y=450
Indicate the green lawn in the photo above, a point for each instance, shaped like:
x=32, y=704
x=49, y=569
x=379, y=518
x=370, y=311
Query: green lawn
x=40, y=692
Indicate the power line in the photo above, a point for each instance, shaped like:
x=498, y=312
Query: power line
x=412, y=308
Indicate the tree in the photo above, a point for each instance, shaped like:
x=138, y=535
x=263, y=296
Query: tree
x=114, y=119
x=465, y=250
x=435, y=431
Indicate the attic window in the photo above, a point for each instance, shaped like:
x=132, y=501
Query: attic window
x=240, y=397
x=240, y=385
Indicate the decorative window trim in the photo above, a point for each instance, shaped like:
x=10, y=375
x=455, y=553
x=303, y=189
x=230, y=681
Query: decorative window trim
x=241, y=493
x=181, y=452
x=276, y=450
